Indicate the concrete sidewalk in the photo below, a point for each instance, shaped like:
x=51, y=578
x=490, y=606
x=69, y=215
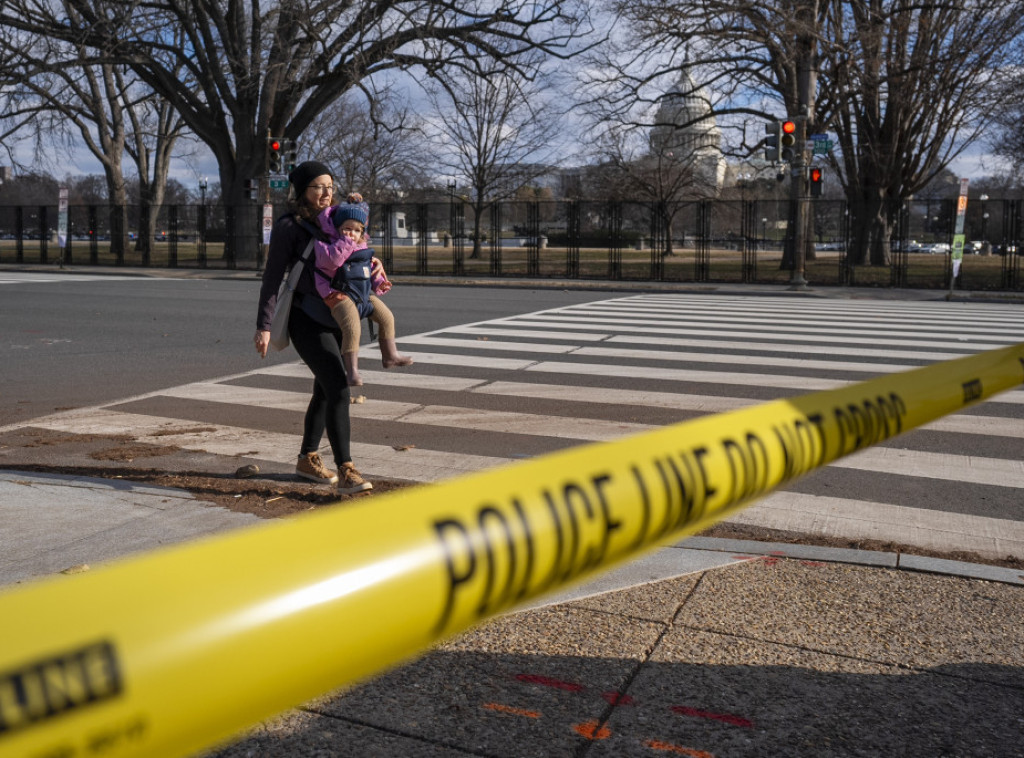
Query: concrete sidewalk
x=769, y=657
x=705, y=648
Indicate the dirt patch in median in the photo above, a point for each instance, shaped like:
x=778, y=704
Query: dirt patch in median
x=271, y=497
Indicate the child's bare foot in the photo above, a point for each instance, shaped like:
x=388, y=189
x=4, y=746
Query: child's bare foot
x=390, y=357
x=351, y=361
x=398, y=360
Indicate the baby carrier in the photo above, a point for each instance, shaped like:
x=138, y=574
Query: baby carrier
x=353, y=279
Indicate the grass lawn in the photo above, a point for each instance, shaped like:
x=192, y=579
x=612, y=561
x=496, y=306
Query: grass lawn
x=923, y=271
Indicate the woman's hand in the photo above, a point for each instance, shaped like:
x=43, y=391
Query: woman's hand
x=262, y=341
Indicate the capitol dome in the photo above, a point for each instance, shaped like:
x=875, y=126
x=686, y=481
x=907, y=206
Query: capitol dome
x=683, y=128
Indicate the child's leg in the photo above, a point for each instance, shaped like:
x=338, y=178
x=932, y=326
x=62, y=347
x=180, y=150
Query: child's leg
x=385, y=320
x=347, y=316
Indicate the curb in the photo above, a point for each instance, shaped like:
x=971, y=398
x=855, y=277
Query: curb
x=736, y=288
x=890, y=560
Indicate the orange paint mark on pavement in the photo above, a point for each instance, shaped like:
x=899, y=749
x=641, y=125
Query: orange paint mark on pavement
x=511, y=709
x=592, y=731
x=668, y=747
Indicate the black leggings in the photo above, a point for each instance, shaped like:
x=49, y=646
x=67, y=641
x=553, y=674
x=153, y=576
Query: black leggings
x=320, y=349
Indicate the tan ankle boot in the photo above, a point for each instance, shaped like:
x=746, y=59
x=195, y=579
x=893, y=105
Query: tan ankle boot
x=351, y=361
x=390, y=356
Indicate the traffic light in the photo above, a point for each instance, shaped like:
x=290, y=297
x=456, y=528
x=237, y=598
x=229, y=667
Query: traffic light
x=771, y=141
x=787, y=141
x=816, y=177
x=290, y=153
x=275, y=147
x=250, y=189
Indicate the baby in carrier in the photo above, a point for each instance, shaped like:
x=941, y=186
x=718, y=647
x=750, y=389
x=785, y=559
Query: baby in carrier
x=344, y=263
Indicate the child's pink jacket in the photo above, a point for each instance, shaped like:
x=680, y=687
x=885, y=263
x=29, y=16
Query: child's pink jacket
x=335, y=251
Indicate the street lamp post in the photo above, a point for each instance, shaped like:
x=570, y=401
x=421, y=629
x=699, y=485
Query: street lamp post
x=451, y=210
x=201, y=250
x=984, y=221
x=457, y=262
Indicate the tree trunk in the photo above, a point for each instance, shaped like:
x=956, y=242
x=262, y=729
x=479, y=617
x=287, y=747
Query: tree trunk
x=119, y=231
x=881, y=230
x=118, y=199
x=478, y=211
x=870, y=227
x=667, y=220
x=147, y=228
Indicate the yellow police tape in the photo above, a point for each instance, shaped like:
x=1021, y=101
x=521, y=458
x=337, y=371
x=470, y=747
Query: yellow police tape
x=178, y=649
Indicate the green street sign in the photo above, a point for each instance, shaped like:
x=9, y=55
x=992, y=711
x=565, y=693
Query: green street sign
x=278, y=183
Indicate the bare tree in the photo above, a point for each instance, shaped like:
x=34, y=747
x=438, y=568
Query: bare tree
x=156, y=129
x=493, y=135
x=373, y=145
x=670, y=158
x=900, y=82
x=104, y=106
x=54, y=101
x=243, y=72
x=741, y=57
x=1007, y=138
x=906, y=94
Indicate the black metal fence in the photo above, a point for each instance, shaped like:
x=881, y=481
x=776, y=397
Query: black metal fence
x=700, y=241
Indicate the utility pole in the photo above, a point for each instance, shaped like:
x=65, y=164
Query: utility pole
x=807, y=85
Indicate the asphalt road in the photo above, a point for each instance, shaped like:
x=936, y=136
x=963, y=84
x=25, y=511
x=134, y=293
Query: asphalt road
x=80, y=341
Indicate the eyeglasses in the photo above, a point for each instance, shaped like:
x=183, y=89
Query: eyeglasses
x=321, y=188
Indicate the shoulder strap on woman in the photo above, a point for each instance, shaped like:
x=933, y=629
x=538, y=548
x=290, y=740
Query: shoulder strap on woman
x=318, y=234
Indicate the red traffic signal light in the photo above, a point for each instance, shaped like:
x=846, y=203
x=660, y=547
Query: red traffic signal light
x=787, y=141
x=274, y=155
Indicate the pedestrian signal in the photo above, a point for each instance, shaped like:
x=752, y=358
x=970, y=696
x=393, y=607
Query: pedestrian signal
x=290, y=153
x=771, y=141
x=816, y=182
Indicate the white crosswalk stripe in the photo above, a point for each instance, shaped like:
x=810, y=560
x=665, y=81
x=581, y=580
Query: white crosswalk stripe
x=603, y=370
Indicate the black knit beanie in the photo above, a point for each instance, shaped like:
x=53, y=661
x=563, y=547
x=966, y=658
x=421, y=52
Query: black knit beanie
x=306, y=172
